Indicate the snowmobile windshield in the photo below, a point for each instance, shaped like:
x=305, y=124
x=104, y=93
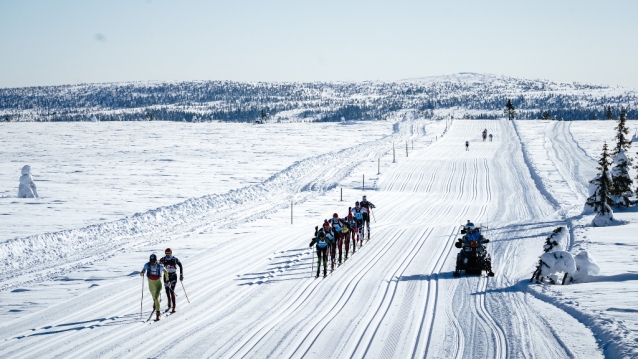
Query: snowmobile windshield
x=473, y=236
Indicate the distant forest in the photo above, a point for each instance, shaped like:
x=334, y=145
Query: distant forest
x=465, y=95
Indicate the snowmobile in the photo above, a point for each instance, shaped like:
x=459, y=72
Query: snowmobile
x=473, y=257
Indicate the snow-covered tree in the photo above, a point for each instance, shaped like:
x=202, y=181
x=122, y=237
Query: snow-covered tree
x=510, y=111
x=621, y=181
x=599, y=191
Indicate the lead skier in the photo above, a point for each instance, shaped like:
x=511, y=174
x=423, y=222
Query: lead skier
x=171, y=263
x=366, y=215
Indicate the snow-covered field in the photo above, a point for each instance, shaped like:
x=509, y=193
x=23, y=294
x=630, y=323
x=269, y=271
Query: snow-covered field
x=220, y=194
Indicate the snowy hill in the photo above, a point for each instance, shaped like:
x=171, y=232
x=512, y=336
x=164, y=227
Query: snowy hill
x=464, y=95
x=249, y=273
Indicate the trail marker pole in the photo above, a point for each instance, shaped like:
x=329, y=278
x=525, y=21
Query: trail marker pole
x=393, y=155
x=378, y=166
x=291, y=204
x=406, y=148
x=364, y=183
x=341, y=194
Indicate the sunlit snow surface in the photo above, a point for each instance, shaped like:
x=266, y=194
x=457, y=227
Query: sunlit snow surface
x=94, y=172
x=224, y=208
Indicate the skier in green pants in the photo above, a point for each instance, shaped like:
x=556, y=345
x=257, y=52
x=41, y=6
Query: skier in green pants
x=154, y=271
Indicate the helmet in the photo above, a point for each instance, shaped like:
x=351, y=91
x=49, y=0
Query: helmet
x=335, y=216
x=470, y=226
x=357, y=203
x=152, y=258
x=168, y=251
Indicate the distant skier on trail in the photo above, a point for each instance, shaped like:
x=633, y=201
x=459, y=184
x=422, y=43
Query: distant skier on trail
x=484, y=134
x=467, y=145
x=357, y=213
x=490, y=137
x=170, y=264
x=154, y=272
x=336, y=224
x=354, y=230
x=366, y=215
x=322, y=251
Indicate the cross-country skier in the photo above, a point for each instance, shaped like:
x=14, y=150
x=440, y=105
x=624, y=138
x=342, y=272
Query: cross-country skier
x=354, y=230
x=336, y=224
x=332, y=244
x=345, y=234
x=467, y=145
x=322, y=251
x=490, y=137
x=154, y=272
x=171, y=263
x=357, y=213
x=366, y=216
x=484, y=134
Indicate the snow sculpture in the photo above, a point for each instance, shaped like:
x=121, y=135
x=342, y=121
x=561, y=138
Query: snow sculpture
x=27, y=188
x=585, y=267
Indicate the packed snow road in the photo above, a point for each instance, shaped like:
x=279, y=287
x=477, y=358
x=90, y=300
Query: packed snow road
x=253, y=294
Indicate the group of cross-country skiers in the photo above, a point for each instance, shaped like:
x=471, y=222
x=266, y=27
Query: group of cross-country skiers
x=467, y=143
x=336, y=234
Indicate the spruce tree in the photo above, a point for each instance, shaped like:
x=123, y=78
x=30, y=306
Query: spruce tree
x=621, y=181
x=608, y=114
x=622, y=141
x=546, y=116
x=510, y=111
x=601, y=200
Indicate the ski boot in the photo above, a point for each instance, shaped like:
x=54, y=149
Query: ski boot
x=157, y=315
x=174, y=310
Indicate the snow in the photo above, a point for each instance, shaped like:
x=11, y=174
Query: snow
x=219, y=195
x=27, y=188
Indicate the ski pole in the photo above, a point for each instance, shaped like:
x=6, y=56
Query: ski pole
x=372, y=213
x=142, y=300
x=182, y=283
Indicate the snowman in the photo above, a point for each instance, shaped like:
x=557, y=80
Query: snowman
x=27, y=187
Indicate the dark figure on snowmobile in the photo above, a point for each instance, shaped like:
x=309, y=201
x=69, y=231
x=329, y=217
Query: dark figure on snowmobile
x=473, y=257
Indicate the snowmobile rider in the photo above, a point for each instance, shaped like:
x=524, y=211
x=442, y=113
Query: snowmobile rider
x=322, y=251
x=473, y=234
x=366, y=215
x=171, y=263
x=154, y=271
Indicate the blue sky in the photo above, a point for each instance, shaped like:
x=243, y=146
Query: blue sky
x=67, y=42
